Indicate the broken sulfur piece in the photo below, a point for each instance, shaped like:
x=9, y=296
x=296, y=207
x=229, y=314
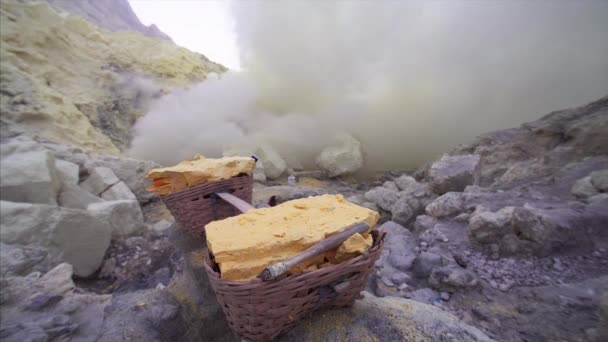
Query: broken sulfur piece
x=199, y=170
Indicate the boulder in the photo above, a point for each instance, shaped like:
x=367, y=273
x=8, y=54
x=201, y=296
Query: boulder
x=343, y=157
x=73, y=196
x=274, y=165
x=68, y=172
x=118, y=191
x=79, y=239
x=454, y=173
x=583, y=188
x=384, y=319
x=452, y=278
x=100, y=180
x=67, y=235
x=29, y=177
x=599, y=179
x=383, y=197
x=124, y=216
x=448, y=204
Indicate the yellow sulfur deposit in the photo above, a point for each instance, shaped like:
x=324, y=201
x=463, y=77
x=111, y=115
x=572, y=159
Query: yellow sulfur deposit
x=355, y=245
x=199, y=170
x=244, y=245
x=73, y=83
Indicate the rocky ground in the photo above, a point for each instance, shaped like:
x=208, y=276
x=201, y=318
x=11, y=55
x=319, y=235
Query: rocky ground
x=503, y=239
x=512, y=243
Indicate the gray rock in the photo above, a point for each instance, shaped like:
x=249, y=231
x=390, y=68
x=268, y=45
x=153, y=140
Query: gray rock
x=148, y=315
x=118, y=191
x=29, y=177
x=343, y=157
x=599, y=179
x=383, y=197
x=399, y=278
x=401, y=260
x=79, y=239
x=424, y=295
x=25, y=223
x=161, y=226
x=73, y=196
x=598, y=198
x=488, y=227
x=425, y=262
x=259, y=175
x=525, y=230
x=583, y=188
x=42, y=300
x=124, y=216
x=19, y=260
x=454, y=173
x=464, y=217
x=68, y=172
x=424, y=223
x=603, y=313
x=274, y=165
x=391, y=186
x=405, y=182
x=68, y=235
x=47, y=308
x=448, y=204
x=402, y=211
x=129, y=170
x=452, y=278
x=100, y=179
x=361, y=323
x=59, y=279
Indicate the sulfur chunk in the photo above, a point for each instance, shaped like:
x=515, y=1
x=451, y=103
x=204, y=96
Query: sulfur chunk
x=199, y=170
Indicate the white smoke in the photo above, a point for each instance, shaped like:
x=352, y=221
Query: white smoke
x=409, y=79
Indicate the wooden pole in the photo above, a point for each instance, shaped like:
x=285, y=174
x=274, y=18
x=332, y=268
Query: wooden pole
x=236, y=202
x=274, y=271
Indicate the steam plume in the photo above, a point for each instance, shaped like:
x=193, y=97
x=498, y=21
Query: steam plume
x=409, y=79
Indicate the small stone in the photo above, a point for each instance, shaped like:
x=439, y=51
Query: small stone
x=399, y=278
x=161, y=226
x=387, y=281
x=597, y=254
x=444, y=296
x=493, y=284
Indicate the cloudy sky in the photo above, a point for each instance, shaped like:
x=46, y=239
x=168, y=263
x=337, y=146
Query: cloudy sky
x=204, y=26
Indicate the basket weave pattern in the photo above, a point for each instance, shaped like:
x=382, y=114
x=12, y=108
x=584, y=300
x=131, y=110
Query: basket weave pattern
x=193, y=208
x=261, y=311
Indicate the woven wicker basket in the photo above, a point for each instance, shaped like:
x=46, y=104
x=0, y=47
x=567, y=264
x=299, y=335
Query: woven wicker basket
x=261, y=311
x=193, y=208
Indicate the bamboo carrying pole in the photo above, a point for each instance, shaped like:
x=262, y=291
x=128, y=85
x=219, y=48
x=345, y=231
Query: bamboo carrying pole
x=274, y=271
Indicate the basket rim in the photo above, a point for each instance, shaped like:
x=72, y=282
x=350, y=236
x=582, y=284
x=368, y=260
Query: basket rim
x=204, y=185
x=378, y=243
